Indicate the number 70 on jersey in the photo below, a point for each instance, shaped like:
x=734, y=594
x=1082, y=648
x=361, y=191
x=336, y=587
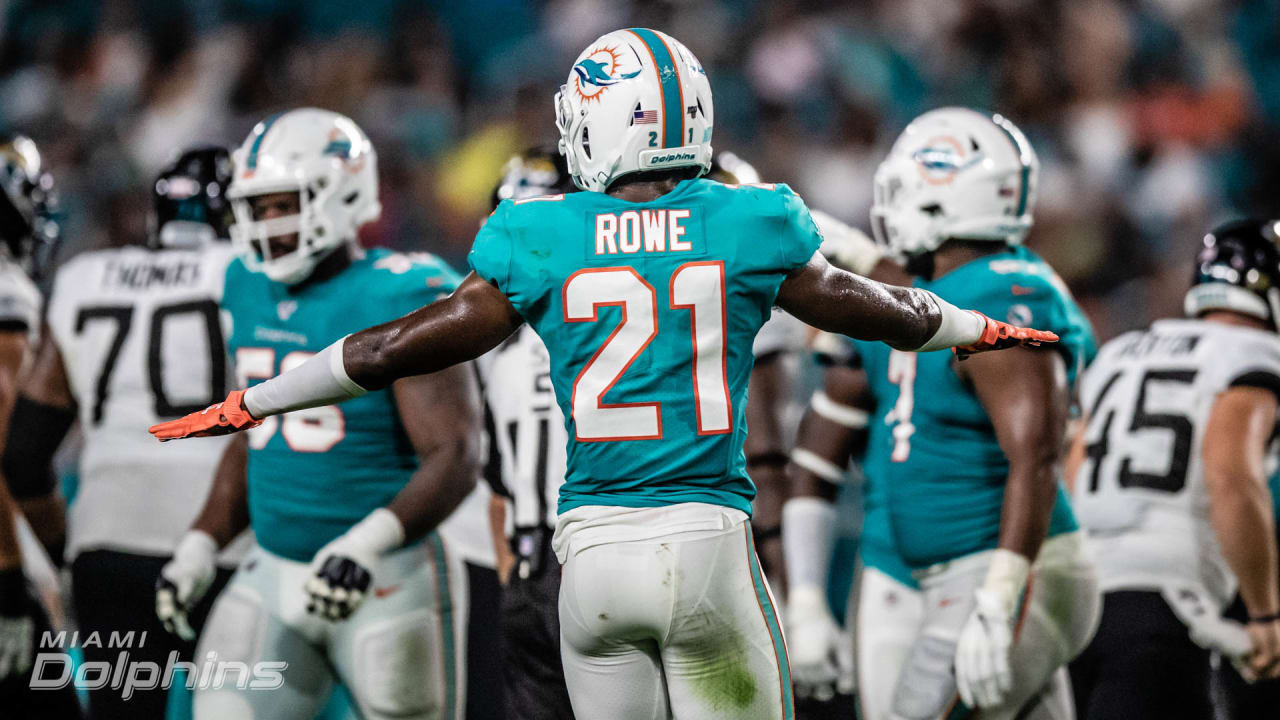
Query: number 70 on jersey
x=695, y=287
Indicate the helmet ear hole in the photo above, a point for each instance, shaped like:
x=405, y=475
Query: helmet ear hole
x=350, y=199
x=586, y=143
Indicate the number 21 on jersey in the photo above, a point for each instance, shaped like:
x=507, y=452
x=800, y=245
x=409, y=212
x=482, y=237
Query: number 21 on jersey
x=698, y=287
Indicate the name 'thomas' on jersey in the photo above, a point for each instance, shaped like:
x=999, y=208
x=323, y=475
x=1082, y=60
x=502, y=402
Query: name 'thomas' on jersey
x=314, y=473
x=649, y=311
x=142, y=341
x=1140, y=491
x=932, y=448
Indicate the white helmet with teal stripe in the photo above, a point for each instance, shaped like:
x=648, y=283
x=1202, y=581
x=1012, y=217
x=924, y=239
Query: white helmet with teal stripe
x=954, y=173
x=329, y=162
x=636, y=101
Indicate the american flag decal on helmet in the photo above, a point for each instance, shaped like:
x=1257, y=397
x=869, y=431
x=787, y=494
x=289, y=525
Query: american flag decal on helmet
x=645, y=117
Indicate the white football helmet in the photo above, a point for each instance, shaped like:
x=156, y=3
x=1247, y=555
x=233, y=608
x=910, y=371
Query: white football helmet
x=636, y=100
x=954, y=173
x=325, y=158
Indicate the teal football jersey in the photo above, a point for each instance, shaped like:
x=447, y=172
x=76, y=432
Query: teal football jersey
x=932, y=448
x=649, y=311
x=315, y=473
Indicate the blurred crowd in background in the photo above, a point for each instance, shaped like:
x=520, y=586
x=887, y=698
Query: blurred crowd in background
x=1153, y=119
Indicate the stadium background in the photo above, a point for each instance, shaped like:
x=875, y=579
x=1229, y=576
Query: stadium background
x=1153, y=119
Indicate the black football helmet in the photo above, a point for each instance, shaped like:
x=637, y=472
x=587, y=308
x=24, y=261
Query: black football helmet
x=1238, y=269
x=536, y=171
x=28, y=205
x=189, y=200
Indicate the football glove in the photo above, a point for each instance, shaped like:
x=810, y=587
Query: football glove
x=184, y=580
x=999, y=336
x=984, y=676
x=226, y=417
x=813, y=644
x=17, y=627
x=342, y=571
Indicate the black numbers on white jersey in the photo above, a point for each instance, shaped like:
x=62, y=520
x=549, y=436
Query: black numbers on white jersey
x=1181, y=427
x=122, y=317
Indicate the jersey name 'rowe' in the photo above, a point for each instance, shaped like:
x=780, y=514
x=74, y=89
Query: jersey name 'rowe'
x=649, y=230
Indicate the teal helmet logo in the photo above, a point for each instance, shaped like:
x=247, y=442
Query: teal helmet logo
x=598, y=71
x=942, y=158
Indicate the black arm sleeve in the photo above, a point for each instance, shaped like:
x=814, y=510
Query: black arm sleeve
x=35, y=432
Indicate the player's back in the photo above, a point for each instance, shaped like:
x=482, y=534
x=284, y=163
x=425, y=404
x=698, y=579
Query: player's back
x=932, y=446
x=356, y=457
x=1140, y=490
x=142, y=341
x=649, y=311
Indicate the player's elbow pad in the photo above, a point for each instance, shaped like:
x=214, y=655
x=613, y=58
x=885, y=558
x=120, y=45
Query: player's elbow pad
x=35, y=432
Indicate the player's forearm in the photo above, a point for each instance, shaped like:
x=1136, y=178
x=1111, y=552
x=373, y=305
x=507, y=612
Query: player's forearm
x=10, y=551
x=1240, y=512
x=226, y=511
x=445, y=476
x=498, y=533
x=459, y=328
x=1029, y=495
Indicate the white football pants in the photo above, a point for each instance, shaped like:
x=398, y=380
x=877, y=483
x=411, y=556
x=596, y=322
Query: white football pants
x=682, y=626
x=1060, y=613
x=889, y=615
x=400, y=654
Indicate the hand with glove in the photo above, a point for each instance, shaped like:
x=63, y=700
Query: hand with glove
x=1000, y=336
x=813, y=643
x=983, y=673
x=224, y=418
x=342, y=571
x=17, y=627
x=184, y=580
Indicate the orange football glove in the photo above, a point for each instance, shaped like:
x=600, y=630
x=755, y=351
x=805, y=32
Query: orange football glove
x=998, y=336
x=224, y=418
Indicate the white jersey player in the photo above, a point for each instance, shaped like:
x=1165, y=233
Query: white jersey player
x=1170, y=479
x=134, y=335
x=29, y=597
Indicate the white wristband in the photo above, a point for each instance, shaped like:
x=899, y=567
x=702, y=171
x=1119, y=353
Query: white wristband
x=196, y=547
x=808, y=539
x=1007, y=577
x=850, y=417
x=958, y=327
x=321, y=380
x=379, y=532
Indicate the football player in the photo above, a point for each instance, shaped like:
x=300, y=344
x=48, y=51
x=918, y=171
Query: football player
x=965, y=456
x=28, y=236
x=343, y=501
x=133, y=332
x=1169, y=475
x=647, y=290
x=526, y=466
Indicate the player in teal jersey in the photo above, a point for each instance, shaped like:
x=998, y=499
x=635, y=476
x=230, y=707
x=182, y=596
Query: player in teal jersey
x=969, y=454
x=343, y=501
x=647, y=291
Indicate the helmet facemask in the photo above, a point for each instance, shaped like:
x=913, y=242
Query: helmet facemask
x=259, y=240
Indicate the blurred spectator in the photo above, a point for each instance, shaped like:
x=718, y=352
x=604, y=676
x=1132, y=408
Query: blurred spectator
x=1153, y=118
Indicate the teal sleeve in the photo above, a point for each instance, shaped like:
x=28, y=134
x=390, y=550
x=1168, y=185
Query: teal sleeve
x=429, y=281
x=490, y=255
x=800, y=235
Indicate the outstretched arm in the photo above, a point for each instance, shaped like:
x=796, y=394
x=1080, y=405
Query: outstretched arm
x=835, y=300
x=461, y=327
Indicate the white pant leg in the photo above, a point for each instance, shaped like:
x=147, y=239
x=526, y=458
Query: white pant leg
x=889, y=615
x=247, y=625
x=402, y=653
x=682, y=626
x=1059, y=616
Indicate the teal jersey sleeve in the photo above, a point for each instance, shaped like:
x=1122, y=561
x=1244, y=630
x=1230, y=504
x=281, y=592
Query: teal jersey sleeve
x=800, y=236
x=490, y=255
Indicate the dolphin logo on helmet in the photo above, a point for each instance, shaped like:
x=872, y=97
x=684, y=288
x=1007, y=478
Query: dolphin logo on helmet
x=597, y=71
